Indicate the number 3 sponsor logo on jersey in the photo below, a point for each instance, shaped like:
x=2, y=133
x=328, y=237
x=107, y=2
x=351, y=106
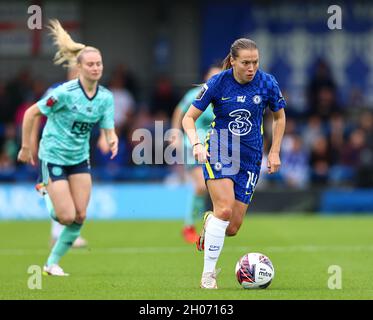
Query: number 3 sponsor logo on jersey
x=241, y=125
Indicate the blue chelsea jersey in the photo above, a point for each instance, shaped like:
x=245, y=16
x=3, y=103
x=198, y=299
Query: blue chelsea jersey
x=239, y=108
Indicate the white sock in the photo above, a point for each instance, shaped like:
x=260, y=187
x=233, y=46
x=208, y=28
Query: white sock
x=56, y=229
x=214, y=240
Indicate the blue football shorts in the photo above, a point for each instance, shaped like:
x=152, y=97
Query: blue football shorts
x=244, y=176
x=56, y=172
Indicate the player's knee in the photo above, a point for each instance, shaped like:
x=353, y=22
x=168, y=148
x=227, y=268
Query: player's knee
x=80, y=217
x=224, y=213
x=66, y=220
x=80, y=220
x=65, y=214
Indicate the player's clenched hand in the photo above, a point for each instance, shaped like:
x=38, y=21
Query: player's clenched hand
x=25, y=156
x=113, y=144
x=273, y=162
x=200, y=153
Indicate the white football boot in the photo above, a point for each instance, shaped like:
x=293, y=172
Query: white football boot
x=208, y=280
x=54, y=270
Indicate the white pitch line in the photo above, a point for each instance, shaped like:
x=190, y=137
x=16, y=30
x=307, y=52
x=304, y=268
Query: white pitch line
x=186, y=249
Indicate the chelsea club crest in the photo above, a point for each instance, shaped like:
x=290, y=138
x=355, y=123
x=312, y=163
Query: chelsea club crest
x=218, y=166
x=257, y=99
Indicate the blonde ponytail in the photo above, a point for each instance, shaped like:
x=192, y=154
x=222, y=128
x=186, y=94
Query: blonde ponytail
x=68, y=49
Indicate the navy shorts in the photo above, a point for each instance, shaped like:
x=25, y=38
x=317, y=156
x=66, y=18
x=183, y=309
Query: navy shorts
x=56, y=172
x=244, y=178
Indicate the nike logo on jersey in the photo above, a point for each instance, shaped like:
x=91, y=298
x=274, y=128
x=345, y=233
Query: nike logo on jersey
x=225, y=98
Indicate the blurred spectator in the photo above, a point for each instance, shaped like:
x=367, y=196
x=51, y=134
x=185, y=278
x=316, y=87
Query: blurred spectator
x=9, y=147
x=351, y=153
x=19, y=90
x=5, y=106
x=345, y=171
x=293, y=110
x=313, y=130
x=5, y=162
x=163, y=99
x=124, y=116
x=326, y=103
x=123, y=100
x=37, y=91
x=355, y=99
x=290, y=132
x=366, y=124
x=128, y=80
x=365, y=170
x=295, y=163
x=321, y=92
x=337, y=130
x=320, y=161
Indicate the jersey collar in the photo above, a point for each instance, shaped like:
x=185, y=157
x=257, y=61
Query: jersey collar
x=81, y=87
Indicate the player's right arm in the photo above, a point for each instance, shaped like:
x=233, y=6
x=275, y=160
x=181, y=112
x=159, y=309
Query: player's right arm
x=25, y=154
x=49, y=104
x=200, y=104
x=35, y=137
x=189, y=124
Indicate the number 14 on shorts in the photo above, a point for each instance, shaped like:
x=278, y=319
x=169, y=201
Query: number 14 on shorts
x=251, y=182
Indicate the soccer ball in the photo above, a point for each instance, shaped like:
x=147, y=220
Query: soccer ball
x=254, y=271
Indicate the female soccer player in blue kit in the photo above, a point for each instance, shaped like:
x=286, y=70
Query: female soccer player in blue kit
x=72, y=109
x=240, y=95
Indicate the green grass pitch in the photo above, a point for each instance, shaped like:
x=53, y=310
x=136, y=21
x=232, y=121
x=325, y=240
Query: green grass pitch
x=148, y=260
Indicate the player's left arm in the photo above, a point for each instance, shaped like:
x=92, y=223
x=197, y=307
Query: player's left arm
x=107, y=127
x=112, y=141
x=278, y=129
